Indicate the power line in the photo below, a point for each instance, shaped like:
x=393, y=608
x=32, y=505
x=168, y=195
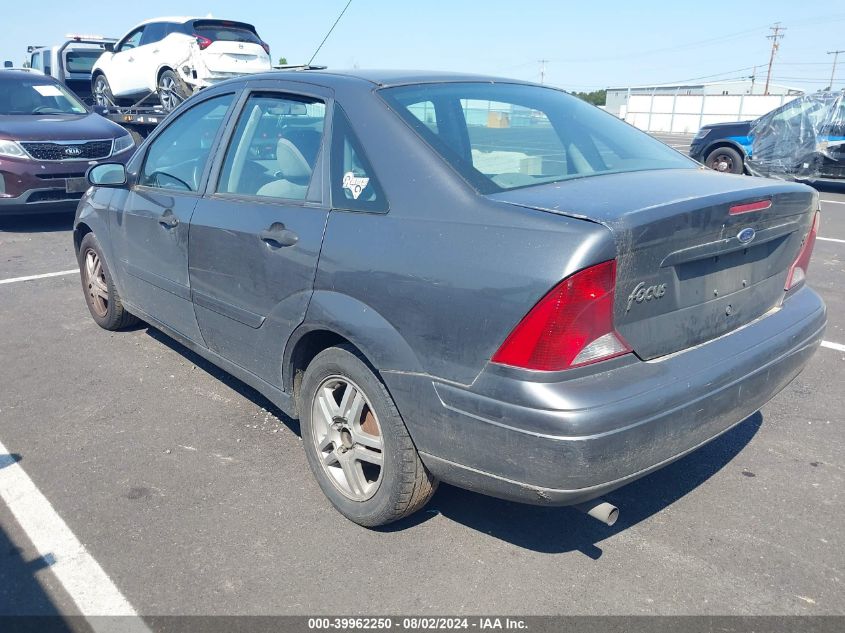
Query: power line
x=776, y=36
x=833, y=70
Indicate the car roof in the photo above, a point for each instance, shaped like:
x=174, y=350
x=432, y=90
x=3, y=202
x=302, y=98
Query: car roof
x=383, y=77
x=182, y=19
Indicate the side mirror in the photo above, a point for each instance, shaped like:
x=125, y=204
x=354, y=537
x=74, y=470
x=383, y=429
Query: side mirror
x=107, y=175
x=109, y=47
x=101, y=110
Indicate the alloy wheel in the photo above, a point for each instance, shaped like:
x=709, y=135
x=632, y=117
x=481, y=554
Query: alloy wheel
x=348, y=438
x=95, y=283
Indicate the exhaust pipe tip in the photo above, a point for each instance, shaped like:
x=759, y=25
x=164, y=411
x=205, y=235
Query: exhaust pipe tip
x=600, y=510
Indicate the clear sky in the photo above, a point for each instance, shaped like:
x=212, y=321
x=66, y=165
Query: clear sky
x=588, y=44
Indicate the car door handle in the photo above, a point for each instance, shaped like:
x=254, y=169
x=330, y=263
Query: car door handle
x=168, y=220
x=278, y=235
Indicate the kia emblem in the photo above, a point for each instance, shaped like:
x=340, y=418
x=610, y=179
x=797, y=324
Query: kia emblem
x=72, y=151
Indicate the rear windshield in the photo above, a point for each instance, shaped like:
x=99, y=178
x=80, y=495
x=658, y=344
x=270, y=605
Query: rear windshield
x=38, y=97
x=504, y=136
x=221, y=31
x=81, y=61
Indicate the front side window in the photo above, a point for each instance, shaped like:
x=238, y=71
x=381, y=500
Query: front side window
x=177, y=157
x=274, y=149
x=132, y=40
x=505, y=136
x=354, y=185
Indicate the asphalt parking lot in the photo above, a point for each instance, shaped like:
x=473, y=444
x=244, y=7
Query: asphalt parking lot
x=192, y=493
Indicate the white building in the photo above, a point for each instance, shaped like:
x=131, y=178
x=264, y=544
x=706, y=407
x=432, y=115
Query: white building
x=617, y=98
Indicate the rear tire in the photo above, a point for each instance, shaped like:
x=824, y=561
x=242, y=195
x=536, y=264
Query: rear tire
x=726, y=160
x=172, y=90
x=102, y=298
x=346, y=437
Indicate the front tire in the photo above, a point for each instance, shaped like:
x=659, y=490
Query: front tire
x=102, y=298
x=103, y=95
x=356, y=442
x=726, y=160
x=172, y=90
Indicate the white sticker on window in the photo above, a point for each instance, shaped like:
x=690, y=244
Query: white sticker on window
x=354, y=184
x=47, y=90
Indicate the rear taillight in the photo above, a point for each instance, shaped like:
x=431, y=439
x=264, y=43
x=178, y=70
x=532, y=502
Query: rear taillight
x=571, y=326
x=266, y=47
x=202, y=42
x=798, y=270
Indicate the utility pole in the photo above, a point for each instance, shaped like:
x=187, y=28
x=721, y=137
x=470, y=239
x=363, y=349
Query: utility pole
x=776, y=36
x=542, y=63
x=833, y=70
x=753, y=79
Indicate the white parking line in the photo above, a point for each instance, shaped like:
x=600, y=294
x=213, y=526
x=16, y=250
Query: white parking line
x=837, y=346
x=830, y=239
x=44, y=276
x=81, y=576
x=832, y=201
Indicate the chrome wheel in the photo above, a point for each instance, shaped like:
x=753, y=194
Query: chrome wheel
x=168, y=92
x=95, y=283
x=348, y=438
x=102, y=93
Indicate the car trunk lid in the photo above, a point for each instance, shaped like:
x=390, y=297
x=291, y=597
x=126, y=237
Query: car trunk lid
x=235, y=57
x=688, y=268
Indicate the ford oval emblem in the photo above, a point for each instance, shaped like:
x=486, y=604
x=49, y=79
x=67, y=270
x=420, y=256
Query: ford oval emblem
x=746, y=235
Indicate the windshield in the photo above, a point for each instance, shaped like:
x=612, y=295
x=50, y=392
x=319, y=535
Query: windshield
x=38, y=97
x=504, y=136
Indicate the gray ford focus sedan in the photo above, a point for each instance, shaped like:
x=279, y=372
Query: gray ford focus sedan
x=456, y=278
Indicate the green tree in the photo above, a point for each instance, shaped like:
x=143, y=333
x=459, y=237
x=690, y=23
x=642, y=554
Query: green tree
x=283, y=61
x=596, y=97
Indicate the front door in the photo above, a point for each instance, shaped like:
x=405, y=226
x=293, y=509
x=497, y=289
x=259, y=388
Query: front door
x=150, y=227
x=256, y=236
x=125, y=73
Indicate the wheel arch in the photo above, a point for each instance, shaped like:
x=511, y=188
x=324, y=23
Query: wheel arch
x=79, y=232
x=334, y=318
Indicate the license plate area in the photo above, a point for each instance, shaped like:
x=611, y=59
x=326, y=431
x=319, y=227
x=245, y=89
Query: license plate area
x=76, y=185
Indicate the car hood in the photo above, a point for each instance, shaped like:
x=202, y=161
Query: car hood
x=51, y=127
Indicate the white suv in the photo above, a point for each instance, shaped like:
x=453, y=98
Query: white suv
x=175, y=57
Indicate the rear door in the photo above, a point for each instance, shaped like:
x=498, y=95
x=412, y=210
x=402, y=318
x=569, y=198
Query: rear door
x=256, y=235
x=150, y=227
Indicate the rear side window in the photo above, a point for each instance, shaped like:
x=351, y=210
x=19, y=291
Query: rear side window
x=154, y=32
x=222, y=31
x=354, y=184
x=274, y=149
x=81, y=60
x=501, y=136
x=177, y=157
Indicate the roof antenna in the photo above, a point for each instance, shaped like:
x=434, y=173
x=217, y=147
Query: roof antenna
x=329, y=33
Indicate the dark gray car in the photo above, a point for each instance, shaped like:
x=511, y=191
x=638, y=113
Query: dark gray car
x=479, y=281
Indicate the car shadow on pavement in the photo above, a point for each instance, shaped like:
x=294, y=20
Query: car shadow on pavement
x=46, y=223
x=561, y=529
x=226, y=378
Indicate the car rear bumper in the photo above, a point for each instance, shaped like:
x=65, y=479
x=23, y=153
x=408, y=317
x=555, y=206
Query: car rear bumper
x=570, y=441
